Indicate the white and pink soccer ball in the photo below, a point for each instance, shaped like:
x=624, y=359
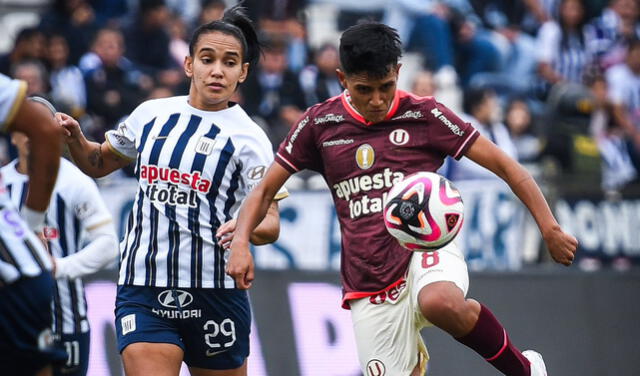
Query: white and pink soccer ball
x=423, y=212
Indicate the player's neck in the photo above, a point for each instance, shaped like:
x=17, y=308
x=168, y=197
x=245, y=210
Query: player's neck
x=23, y=165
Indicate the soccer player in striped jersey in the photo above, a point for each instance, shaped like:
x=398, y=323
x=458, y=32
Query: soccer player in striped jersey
x=197, y=157
x=26, y=283
x=362, y=142
x=82, y=239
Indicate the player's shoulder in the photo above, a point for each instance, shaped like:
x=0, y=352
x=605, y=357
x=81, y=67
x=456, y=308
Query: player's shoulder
x=411, y=106
x=328, y=112
x=242, y=127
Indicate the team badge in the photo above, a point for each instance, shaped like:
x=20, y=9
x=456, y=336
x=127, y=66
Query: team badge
x=399, y=137
x=205, y=145
x=375, y=368
x=365, y=156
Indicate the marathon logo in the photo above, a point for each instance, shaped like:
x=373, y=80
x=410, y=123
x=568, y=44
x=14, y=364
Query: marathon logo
x=295, y=134
x=453, y=127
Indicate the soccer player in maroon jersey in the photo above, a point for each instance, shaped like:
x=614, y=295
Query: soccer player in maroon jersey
x=362, y=142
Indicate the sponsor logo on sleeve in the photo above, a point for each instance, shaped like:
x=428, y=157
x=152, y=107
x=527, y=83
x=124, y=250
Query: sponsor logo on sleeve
x=328, y=118
x=409, y=115
x=257, y=173
x=453, y=127
x=295, y=134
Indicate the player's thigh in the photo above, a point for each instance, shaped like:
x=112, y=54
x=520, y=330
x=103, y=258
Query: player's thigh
x=26, y=341
x=77, y=349
x=387, y=336
x=444, y=265
x=157, y=359
x=216, y=332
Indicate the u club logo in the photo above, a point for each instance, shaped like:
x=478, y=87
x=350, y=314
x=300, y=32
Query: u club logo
x=375, y=368
x=399, y=137
x=365, y=156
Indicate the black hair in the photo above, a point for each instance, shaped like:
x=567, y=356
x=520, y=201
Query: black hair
x=564, y=41
x=235, y=23
x=474, y=96
x=370, y=47
x=26, y=34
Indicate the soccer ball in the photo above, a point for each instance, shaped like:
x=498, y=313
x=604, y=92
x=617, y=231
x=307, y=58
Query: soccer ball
x=423, y=212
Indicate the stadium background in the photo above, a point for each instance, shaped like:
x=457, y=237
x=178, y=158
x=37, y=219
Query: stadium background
x=582, y=319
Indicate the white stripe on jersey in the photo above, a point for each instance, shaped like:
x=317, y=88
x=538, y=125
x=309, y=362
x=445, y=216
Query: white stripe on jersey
x=194, y=168
x=69, y=212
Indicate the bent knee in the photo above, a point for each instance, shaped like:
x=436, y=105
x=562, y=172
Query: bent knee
x=441, y=299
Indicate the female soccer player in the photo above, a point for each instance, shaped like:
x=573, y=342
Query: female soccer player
x=197, y=157
x=362, y=142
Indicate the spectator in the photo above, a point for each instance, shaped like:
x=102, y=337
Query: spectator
x=424, y=84
x=29, y=45
x=272, y=94
x=610, y=34
x=624, y=91
x=113, y=87
x=212, y=10
x=67, y=84
x=34, y=73
x=519, y=122
x=617, y=165
x=482, y=110
x=561, y=50
x=319, y=81
x=76, y=21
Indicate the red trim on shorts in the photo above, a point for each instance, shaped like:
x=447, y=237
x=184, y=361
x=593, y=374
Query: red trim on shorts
x=346, y=103
x=352, y=295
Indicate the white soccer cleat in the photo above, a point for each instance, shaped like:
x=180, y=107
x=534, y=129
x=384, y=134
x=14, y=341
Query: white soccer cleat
x=537, y=364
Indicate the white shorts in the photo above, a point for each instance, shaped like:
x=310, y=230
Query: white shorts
x=387, y=326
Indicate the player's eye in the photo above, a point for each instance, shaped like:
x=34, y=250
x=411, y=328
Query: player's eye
x=206, y=60
x=364, y=90
x=231, y=63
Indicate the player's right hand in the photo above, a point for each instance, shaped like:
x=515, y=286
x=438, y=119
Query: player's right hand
x=70, y=126
x=240, y=265
x=562, y=246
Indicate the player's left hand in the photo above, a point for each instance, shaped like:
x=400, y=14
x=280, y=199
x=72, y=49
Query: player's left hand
x=224, y=235
x=240, y=265
x=562, y=246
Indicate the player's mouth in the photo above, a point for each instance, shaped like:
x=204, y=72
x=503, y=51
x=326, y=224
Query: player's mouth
x=216, y=86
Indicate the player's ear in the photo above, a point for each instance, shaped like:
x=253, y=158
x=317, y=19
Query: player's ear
x=342, y=78
x=188, y=66
x=245, y=72
x=398, y=68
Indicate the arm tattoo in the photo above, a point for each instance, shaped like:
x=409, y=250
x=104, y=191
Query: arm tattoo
x=95, y=158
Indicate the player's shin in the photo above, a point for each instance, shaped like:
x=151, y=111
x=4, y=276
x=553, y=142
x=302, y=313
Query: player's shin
x=489, y=339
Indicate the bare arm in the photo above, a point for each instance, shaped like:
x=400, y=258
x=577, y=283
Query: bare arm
x=92, y=158
x=562, y=246
x=35, y=120
x=252, y=212
x=267, y=231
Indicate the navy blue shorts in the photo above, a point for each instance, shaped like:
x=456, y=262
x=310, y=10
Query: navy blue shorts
x=77, y=348
x=26, y=340
x=211, y=326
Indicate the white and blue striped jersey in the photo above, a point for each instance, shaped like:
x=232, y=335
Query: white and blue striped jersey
x=569, y=60
x=194, y=169
x=76, y=206
x=21, y=253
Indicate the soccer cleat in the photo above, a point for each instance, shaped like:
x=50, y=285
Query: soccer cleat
x=537, y=364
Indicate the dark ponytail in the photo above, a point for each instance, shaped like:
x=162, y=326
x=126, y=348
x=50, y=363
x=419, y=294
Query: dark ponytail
x=235, y=23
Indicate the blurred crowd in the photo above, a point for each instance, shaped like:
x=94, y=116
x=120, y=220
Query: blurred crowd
x=554, y=83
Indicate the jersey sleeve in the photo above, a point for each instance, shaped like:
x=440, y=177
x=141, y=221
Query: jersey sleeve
x=88, y=205
x=122, y=140
x=12, y=94
x=255, y=158
x=547, y=42
x=298, y=151
x=448, y=133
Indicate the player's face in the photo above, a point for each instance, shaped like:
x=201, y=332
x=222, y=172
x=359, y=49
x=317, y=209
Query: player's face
x=372, y=97
x=215, y=69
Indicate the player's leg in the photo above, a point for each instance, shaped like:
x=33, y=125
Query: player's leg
x=387, y=334
x=215, y=330
x=148, y=334
x=157, y=359
x=442, y=285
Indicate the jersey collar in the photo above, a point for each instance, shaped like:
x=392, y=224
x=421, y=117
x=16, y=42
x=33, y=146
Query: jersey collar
x=346, y=103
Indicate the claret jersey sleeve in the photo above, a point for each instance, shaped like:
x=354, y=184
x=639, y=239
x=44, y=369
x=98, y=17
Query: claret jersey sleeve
x=299, y=150
x=450, y=134
x=125, y=138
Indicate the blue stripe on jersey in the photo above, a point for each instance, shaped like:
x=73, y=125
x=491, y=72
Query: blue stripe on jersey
x=131, y=261
x=73, y=293
x=61, y=208
x=76, y=232
x=174, y=231
x=23, y=194
x=145, y=134
x=231, y=200
x=6, y=256
x=223, y=162
x=154, y=156
x=194, y=214
x=57, y=311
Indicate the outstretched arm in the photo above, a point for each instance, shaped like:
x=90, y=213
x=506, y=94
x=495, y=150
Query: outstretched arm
x=252, y=212
x=267, y=231
x=92, y=158
x=562, y=246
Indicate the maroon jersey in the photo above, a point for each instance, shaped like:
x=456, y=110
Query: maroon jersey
x=360, y=162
